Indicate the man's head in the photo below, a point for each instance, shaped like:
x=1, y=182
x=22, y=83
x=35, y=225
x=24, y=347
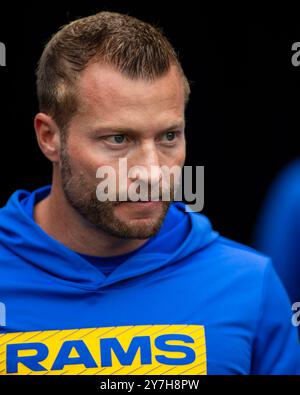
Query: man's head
x=110, y=87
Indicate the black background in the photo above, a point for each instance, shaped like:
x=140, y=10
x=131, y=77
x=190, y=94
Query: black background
x=243, y=115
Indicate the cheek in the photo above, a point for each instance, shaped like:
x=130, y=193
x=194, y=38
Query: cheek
x=84, y=160
x=182, y=156
x=84, y=166
x=177, y=157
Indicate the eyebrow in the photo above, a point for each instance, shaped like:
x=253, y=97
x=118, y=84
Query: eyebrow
x=178, y=125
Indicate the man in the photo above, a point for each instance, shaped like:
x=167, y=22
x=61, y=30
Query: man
x=126, y=287
x=278, y=228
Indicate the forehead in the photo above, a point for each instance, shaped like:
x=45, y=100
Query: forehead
x=105, y=91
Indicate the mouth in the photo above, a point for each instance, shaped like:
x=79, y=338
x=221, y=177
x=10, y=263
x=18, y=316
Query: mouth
x=150, y=204
x=145, y=201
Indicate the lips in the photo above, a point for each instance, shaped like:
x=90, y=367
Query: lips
x=143, y=204
x=143, y=201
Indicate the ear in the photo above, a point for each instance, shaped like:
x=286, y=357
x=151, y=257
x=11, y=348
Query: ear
x=48, y=136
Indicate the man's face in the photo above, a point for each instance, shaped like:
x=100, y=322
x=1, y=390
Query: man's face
x=118, y=117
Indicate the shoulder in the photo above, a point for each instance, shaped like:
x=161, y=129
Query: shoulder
x=236, y=260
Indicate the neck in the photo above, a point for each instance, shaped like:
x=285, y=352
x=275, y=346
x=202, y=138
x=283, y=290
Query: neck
x=63, y=223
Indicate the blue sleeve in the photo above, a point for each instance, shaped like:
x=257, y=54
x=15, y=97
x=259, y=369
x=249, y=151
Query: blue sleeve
x=276, y=348
x=277, y=231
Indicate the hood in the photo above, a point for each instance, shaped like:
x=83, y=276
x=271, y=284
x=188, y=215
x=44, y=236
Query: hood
x=23, y=238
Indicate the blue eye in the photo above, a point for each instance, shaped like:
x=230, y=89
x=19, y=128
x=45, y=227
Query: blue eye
x=170, y=136
x=117, y=138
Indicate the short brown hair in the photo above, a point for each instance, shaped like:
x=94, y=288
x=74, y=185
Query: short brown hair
x=137, y=49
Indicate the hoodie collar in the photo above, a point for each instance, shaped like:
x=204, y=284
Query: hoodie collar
x=20, y=234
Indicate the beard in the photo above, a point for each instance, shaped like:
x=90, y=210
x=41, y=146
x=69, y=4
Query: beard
x=81, y=195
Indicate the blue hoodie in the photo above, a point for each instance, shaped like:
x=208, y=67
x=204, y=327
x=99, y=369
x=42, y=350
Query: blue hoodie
x=188, y=302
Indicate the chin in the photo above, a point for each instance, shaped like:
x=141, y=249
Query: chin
x=139, y=211
x=141, y=228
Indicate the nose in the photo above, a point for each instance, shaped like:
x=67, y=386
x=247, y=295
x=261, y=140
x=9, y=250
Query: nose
x=147, y=164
